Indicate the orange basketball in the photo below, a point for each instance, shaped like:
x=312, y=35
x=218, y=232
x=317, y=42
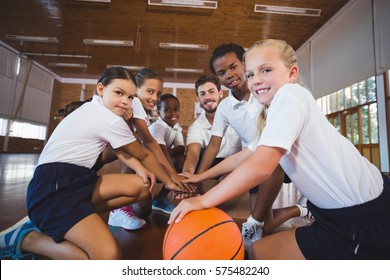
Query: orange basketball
x=208, y=234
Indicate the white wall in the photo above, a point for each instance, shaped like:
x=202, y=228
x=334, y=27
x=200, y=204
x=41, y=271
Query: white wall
x=25, y=96
x=352, y=46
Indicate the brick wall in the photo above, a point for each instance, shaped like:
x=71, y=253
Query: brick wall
x=22, y=145
x=64, y=94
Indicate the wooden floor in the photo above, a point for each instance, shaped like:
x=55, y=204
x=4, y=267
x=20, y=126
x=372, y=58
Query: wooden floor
x=16, y=170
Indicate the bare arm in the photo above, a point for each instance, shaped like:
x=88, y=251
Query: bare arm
x=166, y=153
x=135, y=149
x=224, y=167
x=210, y=153
x=153, y=146
x=148, y=177
x=255, y=170
x=192, y=157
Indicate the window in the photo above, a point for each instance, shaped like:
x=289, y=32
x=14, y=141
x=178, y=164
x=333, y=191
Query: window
x=353, y=112
x=23, y=130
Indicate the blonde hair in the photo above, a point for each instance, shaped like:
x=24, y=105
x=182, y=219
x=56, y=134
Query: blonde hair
x=289, y=58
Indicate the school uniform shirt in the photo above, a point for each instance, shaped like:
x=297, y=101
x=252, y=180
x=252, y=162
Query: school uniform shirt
x=240, y=115
x=200, y=132
x=324, y=165
x=82, y=135
x=167, y=135
x=139, y=111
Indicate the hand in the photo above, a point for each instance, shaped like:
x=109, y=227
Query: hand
x=128, y=115
x=177, y=179
x=183, y=195
x=191, y=178
x=148, y=177
x=173, y=186
x=184, y=207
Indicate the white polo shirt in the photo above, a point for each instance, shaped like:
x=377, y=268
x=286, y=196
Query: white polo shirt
x=139, y=111
x=81, y=136
x=324, y=165
x=166, y=135
x=240, y=115
x=200, y=132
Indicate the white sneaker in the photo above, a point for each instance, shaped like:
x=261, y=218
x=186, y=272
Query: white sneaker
x=250, y=233
x=302, y=205
x=125, y=217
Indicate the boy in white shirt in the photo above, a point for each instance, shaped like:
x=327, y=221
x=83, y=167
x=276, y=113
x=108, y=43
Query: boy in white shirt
x=168, y=132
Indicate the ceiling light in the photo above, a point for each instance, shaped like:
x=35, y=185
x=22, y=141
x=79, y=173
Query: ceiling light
x=100, y=1
x=116, y=43
x=185, y=3
x=184, y=46
x=37, y=39
x=287, y=10
x=58, y=55
x=184, y=70
x=129, y=67
x=62, y=64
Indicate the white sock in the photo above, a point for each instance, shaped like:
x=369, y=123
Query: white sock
x=304, y=210
x=254, y=221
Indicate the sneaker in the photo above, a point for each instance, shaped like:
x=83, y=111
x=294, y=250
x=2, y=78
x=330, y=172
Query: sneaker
x=302, y=205
x=163, y=204
x=250, y=233
x=125, y=217
x=11, y=241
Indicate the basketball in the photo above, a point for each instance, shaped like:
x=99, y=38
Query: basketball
x=208, y=234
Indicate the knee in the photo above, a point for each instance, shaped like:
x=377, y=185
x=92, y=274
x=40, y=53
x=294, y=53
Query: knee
x=143, y=193
x=137, y=190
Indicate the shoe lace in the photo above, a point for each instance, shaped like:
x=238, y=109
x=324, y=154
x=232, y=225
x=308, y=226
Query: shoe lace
x=5, y=254
x=128, y=210
x=249, y=231
x=309, y=215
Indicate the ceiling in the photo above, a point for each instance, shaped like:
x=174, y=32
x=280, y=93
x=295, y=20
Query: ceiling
x=72, y=21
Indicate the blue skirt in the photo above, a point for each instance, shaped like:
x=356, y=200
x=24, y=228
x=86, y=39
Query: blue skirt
x=356, y=232
x=59, y=196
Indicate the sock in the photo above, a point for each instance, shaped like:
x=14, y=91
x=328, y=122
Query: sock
x=304, y=210
x=256, y=222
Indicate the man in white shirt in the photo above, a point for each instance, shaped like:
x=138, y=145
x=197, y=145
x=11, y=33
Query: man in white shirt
x=209, y=95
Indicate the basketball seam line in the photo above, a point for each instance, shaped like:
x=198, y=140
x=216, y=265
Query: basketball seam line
x=237, y=251
x=199, y=234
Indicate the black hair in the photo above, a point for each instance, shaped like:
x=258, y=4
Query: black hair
x=146, y=74
x=69, y=108
x=205, y=79
x=165, y=97
x=223, y=49
x=115, y=73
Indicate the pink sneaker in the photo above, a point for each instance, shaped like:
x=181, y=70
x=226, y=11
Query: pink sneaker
x=125, y=217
